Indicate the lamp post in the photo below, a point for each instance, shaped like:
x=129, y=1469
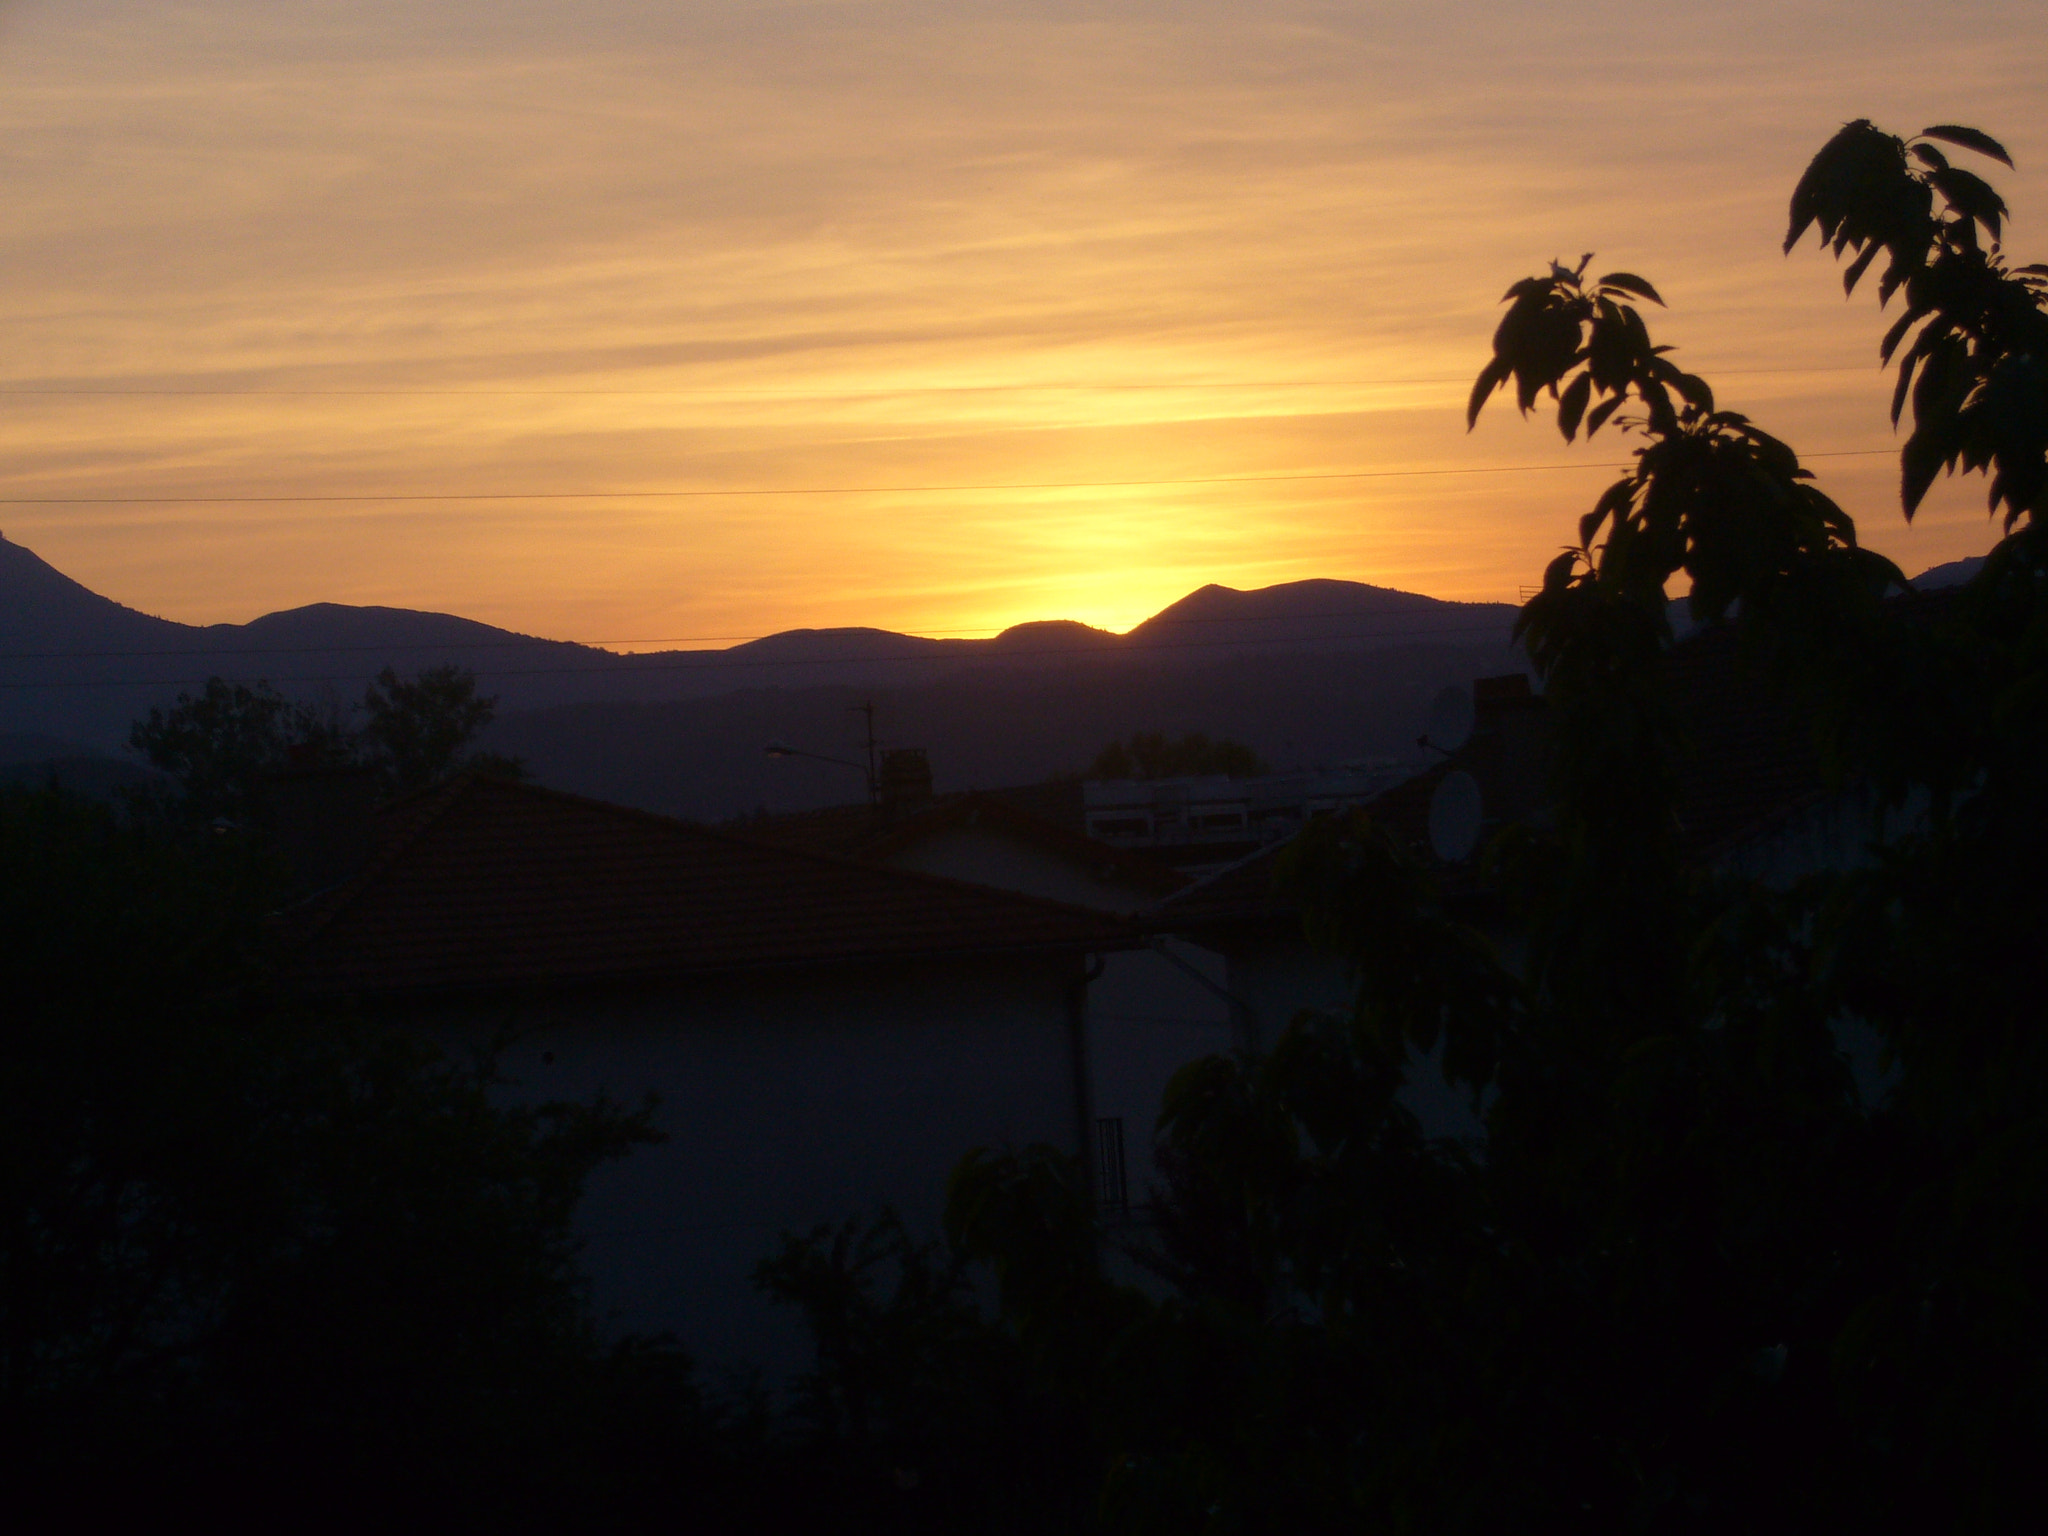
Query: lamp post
x=867, y=709
x=784, y=749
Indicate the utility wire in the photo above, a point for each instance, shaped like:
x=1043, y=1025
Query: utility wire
x=941, y=636
x=841, y=490
x=1018, y=387
x=1069, y=652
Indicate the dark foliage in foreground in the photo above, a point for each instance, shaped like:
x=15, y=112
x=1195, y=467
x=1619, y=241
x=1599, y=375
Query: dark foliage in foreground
x=1699, y=1275
x=291, y=1269
x=297, y=1271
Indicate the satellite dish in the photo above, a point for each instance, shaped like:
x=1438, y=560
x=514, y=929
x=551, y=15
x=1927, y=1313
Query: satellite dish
x=1454, y=812
x=1450, y=719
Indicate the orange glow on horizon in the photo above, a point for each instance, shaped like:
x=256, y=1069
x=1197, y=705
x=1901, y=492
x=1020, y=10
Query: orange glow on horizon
x=915, y=318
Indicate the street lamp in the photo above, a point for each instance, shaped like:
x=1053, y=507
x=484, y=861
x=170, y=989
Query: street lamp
x=867, y=709
x=784, y=749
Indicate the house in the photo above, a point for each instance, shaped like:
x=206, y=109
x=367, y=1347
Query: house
x=1272, y=971
x=1751, y=800
x=1200, y=825
x=991, y=839
x=1150, y=1008
x=823, y=1035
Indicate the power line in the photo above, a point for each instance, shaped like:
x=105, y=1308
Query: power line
x=1068, y=652
x=1012, y=387
x=839, y=490
x=941, y=636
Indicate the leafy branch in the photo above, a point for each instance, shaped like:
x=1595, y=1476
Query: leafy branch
x=1977, y=369
x=1711, y=494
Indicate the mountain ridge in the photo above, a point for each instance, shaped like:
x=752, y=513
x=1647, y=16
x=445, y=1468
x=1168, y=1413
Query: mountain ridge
x=1320, y=671
x=80, y=667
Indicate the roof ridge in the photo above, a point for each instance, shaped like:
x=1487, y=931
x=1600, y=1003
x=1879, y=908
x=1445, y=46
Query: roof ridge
x=491, y=882
x=548, y=791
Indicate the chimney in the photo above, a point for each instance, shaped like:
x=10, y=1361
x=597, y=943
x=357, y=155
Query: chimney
x=1510, y=748
x=903, y=784
x=1493, y=696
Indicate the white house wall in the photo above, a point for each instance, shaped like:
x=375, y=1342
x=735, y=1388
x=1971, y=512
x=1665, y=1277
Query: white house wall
x=1835, y=832
x=1151, y=1012
x=787, y=1102
x=1283, y=976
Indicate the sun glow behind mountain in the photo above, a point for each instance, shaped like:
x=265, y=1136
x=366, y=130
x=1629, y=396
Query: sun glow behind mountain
x=640, y=322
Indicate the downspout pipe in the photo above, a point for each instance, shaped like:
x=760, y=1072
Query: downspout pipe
x=1077, y=1046
x=1243, y=1015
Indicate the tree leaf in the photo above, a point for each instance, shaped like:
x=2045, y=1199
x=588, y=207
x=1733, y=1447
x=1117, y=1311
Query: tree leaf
x=1837, y=182
x=1899, y=391
x=1628, y=282
x=1491, y=377
x=1859, y=266
x=1573, y=405
x=1969, y=138
x=1920, y=462
x=1693, y=389
x=1971, y=196
x=1601, y=412
x=1897, y=334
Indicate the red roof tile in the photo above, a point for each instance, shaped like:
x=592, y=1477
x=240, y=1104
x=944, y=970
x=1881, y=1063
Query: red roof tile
x=488, y=884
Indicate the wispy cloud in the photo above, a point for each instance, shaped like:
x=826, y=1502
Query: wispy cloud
x=361, y=249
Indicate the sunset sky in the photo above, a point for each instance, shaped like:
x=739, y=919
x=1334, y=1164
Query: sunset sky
x=932, y=316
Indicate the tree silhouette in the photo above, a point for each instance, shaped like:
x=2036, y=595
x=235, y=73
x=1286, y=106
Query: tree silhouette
x=221, y=746
x=225, y=746
x=247, y=1248
x=1694, y=1277
x=419, y=731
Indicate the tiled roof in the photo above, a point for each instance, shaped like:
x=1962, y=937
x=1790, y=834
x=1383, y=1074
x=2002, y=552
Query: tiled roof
x=840, y=829
x=1059, y=801
x=488, y=884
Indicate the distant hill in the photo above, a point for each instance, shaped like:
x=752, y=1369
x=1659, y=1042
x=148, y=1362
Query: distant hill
x=77, y=666
x=1305, y=672
x=41, y=606
x=17, y=748
x=36, y=762
x=1343, y=615
x=987, y=728
x=1953, y=574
